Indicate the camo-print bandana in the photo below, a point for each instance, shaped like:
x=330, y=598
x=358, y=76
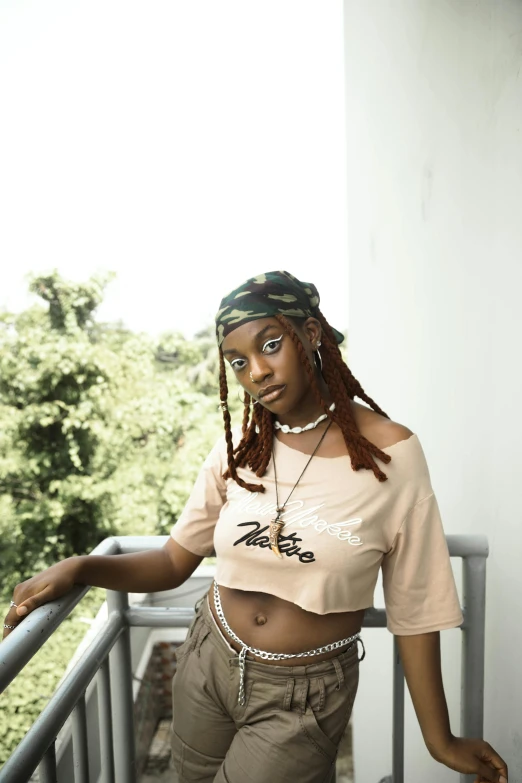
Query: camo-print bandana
x=265, y=296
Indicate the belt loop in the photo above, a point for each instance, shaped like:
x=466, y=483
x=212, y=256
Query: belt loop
x=339, y=672
x=304, y=693
x=320, y=683
x=364, y=650
x=287, y=701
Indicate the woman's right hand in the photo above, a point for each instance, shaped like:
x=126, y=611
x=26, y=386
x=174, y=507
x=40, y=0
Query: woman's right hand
x=149, y=571
x=46, y=586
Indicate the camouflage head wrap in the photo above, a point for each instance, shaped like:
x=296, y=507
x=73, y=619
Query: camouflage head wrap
x=265, y=296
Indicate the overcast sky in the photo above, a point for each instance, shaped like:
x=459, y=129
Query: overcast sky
x=184, y=144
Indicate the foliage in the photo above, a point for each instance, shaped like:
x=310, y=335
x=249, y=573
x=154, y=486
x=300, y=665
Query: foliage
x=101, y=431
x=53, y=396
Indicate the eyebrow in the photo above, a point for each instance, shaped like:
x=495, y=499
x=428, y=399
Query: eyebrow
x=257, y=336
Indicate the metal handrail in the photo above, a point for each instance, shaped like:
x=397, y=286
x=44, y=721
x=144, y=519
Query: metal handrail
x=24, y=642
x=113, y=641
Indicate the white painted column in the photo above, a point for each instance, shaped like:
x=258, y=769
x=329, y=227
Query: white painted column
x=434, y=168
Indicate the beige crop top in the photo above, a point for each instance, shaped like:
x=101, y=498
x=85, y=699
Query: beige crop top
x=341, y=526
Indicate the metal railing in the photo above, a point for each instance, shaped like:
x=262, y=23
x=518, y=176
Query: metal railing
x=112, y=643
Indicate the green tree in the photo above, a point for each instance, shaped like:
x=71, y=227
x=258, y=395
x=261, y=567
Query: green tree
x=53, y=404
x=101, y=430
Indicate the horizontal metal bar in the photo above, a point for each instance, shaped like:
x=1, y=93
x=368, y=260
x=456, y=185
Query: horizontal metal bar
x=374, y=618
x=177, y=617
x=31, y=749
x=23, y=643
x=159, y=616
x=467, y=546
x=130, y=544
x=459, y=545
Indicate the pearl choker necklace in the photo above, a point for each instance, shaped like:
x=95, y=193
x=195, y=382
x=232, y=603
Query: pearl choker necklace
x=296, y=430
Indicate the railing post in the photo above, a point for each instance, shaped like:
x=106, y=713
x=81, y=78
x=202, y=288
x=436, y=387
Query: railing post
x=47, y=769
x=473, y=641
x=105, y=721
x=122, y=699
x=80, y=751
x=398, y=716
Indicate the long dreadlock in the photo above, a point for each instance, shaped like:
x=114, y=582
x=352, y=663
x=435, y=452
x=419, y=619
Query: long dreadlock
x=255, y=446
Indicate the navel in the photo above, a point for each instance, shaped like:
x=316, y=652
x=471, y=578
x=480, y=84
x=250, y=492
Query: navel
x=260, y=619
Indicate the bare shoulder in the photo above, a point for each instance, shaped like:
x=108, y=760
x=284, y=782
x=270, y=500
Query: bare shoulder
x=377, y=429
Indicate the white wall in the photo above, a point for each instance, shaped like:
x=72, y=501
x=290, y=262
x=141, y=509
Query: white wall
x=434, y=117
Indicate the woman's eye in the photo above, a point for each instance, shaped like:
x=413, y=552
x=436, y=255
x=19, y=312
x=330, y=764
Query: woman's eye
x=272, y=345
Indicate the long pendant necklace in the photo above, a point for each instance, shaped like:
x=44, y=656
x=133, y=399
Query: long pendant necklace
x=276, y=525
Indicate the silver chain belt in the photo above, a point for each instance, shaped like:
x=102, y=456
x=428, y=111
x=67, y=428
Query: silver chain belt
x=267, y=656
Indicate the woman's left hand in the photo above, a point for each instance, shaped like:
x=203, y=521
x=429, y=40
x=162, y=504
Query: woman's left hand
x=473, y=756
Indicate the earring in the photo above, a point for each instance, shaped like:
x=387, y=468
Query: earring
x=318, y=360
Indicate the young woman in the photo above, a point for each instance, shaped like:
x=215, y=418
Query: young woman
x=302, y=506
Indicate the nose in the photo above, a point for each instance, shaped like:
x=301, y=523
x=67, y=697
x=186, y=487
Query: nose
x=259, y=370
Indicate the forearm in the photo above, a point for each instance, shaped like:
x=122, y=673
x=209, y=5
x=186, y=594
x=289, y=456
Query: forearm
x=420, y=655
x=142, y=572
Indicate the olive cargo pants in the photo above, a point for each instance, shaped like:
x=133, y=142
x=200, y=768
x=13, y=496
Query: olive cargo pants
x=289, y=728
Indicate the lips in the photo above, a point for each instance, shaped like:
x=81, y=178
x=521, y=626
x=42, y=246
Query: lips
x=271, y=393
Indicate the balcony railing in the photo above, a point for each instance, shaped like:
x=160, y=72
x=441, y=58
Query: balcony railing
x=108, y=659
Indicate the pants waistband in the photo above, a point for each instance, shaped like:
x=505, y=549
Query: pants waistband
x=282, y=669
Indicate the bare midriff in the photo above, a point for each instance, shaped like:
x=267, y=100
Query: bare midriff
x=271, y=624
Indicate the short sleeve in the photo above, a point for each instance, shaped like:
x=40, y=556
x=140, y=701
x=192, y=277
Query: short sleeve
x=194, y=529
x=419, y=587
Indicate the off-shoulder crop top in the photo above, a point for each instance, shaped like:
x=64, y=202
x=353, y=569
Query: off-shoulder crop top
x=341, y=526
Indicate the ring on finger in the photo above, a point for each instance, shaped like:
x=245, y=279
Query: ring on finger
x=13, y=604
x=9, y=626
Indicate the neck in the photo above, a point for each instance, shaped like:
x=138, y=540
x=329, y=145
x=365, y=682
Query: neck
x=309, y=409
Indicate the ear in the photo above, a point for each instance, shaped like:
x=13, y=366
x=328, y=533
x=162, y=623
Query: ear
x=313, y=331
